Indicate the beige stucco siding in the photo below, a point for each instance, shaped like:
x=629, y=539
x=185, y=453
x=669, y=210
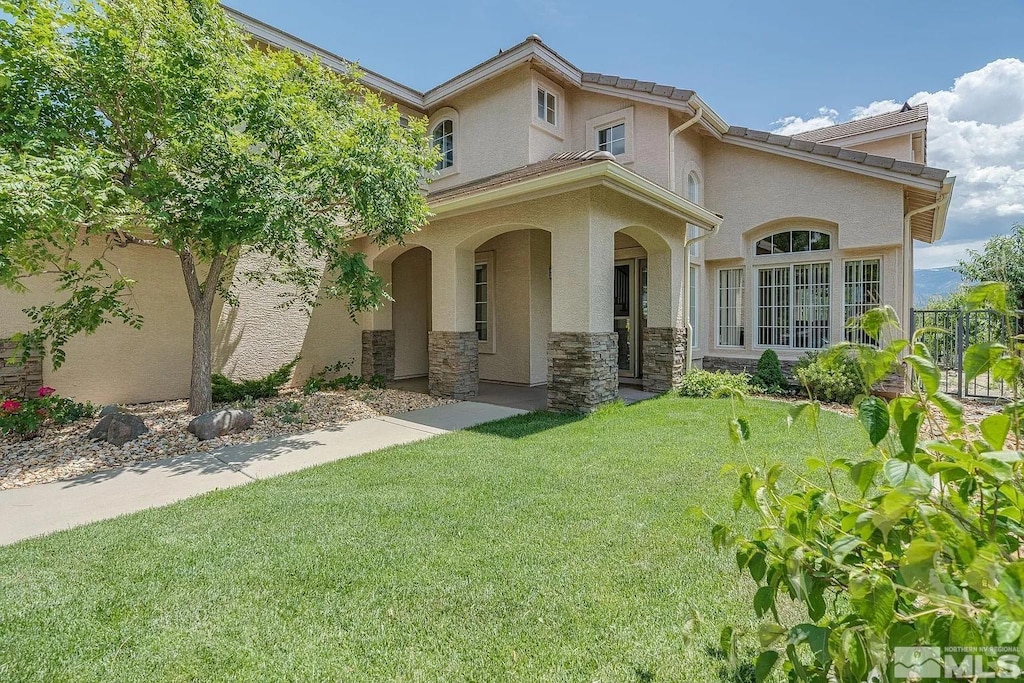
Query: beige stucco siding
x=511, y=305
x=410, y=274
x=900, y=147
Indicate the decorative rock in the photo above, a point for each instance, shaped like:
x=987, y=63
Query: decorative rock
x=220, y=423
x=118, y=428
x=110, y=410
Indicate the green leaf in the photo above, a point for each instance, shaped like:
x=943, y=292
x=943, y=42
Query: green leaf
x=764, y=598
x=994, y=429
x=951, y=408
x=918, y=562
x=863, y=474
x=909, y=432
x=874, y=416
x=843, y=545
x=873, y=598
x=908, y=477
x=764, y=664
x=739, y=430
x=926, y=372
x=987, y=295
x=769, y=634
x=979, y=358
x=816, y=638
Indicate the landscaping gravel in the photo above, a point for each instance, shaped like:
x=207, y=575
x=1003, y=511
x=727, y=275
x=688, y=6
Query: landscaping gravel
x=66, y=452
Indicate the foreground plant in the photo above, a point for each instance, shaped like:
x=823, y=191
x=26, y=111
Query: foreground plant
x=917, y=544
x=24, y=418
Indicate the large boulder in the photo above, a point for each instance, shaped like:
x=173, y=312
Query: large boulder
x=220, y=423
x=118, y=428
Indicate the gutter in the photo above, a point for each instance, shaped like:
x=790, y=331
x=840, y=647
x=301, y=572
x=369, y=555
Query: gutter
x=940, y=206
x=687, y=323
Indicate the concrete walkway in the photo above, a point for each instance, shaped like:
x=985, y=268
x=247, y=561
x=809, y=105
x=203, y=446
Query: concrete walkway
x=45, y=508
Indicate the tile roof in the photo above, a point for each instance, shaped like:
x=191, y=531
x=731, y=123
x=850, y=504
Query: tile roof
x=841, y=153
x=868, y=124
x=638, y=86
x=559, y=162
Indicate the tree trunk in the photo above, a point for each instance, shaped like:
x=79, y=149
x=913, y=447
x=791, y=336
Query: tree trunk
x=200, y=397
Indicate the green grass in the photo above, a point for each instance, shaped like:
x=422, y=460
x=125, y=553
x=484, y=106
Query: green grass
x=540, y=548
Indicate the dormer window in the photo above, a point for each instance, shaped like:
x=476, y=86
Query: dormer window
x=612, y=139
x=444, y=140
x=547, y=106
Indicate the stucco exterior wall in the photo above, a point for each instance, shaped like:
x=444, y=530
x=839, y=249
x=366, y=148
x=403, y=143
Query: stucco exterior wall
x=510, y=361
x=492, y=131
x=410, y=289
x=900, y=147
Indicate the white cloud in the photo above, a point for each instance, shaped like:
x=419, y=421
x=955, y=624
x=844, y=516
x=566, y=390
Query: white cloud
x=976, y=130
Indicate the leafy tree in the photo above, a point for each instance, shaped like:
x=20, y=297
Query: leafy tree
x=1000, y=260
x=156, y=124
x=768, y=376
x=916, y=542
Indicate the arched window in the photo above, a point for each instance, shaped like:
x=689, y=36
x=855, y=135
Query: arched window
x=693, y=193
x=444, y=140
x=793, y=242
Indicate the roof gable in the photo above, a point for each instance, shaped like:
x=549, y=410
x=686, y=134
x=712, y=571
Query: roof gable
x=870, y=124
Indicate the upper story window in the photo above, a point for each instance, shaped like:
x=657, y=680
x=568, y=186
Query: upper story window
x=793, y=242
x=612, y=139
x=693, y=193
x=444, y=140
x=547, y=107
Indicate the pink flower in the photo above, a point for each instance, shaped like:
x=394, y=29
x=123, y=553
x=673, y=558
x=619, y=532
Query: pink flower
x=46, y=391
x=10, y=406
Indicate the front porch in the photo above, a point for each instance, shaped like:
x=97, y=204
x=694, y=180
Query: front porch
x=520, y=397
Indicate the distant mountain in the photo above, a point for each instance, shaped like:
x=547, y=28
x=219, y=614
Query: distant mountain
x=934, y=281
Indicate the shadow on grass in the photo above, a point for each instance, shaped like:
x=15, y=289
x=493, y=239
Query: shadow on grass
x=520, y=426
x=742, y=672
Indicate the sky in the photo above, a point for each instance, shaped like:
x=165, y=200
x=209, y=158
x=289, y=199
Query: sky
x=783, y=66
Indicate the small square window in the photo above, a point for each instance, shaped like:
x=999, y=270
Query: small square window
x=546, y=106
x=612, y=139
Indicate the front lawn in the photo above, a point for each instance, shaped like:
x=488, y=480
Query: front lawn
x=540, y=548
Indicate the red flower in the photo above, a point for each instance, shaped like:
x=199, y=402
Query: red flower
x=10, y=406
x=46, y=391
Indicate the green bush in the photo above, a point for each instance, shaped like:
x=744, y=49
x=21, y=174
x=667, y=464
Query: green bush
x=24, y=418
x=915, y=542
x=834, y=378
x=230, y=391
x=768, y=377
x=705, y=384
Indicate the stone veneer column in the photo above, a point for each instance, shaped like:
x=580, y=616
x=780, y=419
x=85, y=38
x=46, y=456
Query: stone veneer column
x=664, y=362
x=378, y=354
x=582, y=370
x=454, y=364
x=18, y=381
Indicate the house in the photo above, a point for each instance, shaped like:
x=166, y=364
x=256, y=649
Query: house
x=587, y=230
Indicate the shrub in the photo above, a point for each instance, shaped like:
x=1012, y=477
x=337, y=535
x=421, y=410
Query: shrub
x=768, y=377
x=920, y=548
x=230, y=391
x=25, y=418
x=348, y=381
x=705, y=384
x=834, y=378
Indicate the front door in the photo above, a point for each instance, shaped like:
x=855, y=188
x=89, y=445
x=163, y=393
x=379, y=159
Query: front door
x=630, y=314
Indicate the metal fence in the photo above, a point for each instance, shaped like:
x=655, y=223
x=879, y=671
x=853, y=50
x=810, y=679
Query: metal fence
x=963, y=329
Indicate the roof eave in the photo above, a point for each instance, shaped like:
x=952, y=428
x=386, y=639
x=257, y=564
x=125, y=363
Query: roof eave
x=942, y=211
x=606, y=173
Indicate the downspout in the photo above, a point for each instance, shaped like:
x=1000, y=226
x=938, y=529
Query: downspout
x=908, y=247
x=687, y=323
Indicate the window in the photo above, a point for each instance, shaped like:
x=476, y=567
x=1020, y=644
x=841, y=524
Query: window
x=483, y=299
x=862, y=291
x=444, y=140
x=694, y=195
x=793, y=242
x=546, y=106
x=730, y=307
x=793, y=305
x=612, y=139
x=694, y=284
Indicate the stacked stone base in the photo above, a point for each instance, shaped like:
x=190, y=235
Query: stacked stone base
x=664, y=358
x=18, y=380
x=582, y=370
x=454, y=364
x=378, y=354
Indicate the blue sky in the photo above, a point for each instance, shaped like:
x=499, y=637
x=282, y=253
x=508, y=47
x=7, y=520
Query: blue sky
x=761, y=65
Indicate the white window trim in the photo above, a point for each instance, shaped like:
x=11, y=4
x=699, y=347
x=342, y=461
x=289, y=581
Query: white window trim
x=881, y=283
x=694, y=313
x=742, y=308
x=691, y=230
x=558, y=129
x=486, y=258
x=437, y=117
x=755, y=288
x=612, y=119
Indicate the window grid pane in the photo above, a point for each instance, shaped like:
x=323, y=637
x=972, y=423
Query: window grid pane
x=811, y=305
x=444, y=140
x=482, y=314
x=862, y=292
x=612, y=139
x=773, y=303
x=793, y=241
x=694, y=298
x=730, y=307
